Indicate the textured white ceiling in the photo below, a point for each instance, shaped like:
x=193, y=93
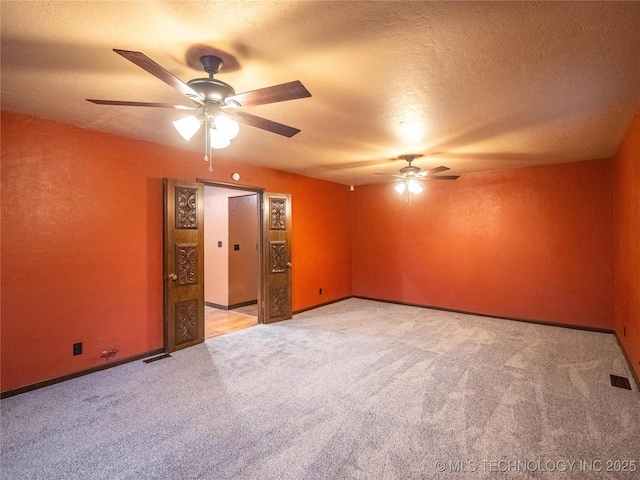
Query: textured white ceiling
x=474, y=86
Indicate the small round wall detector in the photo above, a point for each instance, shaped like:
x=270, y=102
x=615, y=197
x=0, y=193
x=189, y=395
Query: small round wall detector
x=236, y=176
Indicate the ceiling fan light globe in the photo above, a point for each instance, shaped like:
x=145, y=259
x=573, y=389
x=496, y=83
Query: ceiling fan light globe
x=414, y=187
x=217, y=139
x=187, y=126
x=227, y=126
x=400, y=188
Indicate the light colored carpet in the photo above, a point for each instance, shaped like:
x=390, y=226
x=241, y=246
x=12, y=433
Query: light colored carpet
x=353, y=390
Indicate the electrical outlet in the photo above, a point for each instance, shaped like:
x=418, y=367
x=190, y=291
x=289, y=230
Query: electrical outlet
x=77, y=348
x=320, y=291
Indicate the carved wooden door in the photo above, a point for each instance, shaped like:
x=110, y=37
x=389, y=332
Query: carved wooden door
x=183, y=264
x=277, y=256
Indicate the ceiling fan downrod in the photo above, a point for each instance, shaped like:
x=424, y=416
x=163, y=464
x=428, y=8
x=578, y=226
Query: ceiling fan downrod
x=409, y=170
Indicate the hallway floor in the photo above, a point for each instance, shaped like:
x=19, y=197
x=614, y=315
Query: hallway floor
x=218, y=321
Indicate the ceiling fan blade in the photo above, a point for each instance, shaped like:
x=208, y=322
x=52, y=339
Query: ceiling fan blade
x=389, y=175
x=436, y=170
x=274, y=94
x=263, y=123
x=144, y=62
x=439, y=169
x=442, y=177
x=139, y=104
x=431, y=171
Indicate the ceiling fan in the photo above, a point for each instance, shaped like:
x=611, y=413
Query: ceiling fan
x=215, y=101
x=409, y=174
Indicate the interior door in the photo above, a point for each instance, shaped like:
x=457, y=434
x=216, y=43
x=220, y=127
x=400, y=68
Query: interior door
x=277, y=256
x=183, y=264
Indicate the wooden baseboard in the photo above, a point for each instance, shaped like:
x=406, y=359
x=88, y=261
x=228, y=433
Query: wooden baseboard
x=322, y=304
x=243, y=304
x=515, y=319
x=231, y=307
x=215, y=305
x=634, y=374
x=63, y=378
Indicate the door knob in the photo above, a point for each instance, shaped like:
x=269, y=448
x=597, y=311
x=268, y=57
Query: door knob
x=173, y=276
x=289, y=264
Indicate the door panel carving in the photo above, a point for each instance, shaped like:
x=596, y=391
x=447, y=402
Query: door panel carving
x=278, y=208
x=278, y=300
x=186, y=207
x=186, y=321
x=187, y=262
x=278, y=257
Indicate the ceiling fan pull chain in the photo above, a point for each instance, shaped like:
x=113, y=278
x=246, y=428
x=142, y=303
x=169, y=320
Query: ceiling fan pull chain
x=208, y=146
x=207, y=150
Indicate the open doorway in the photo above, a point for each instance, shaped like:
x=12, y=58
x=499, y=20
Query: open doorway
x=184, y=258
x=231, y=259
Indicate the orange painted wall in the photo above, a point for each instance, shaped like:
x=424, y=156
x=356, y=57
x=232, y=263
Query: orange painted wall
x=82, y=242
x=82, y=248
x=532, y=243
x=627, y=244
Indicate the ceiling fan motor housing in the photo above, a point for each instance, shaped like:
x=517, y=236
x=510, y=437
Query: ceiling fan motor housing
x=212, y=90
x=411, y=170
